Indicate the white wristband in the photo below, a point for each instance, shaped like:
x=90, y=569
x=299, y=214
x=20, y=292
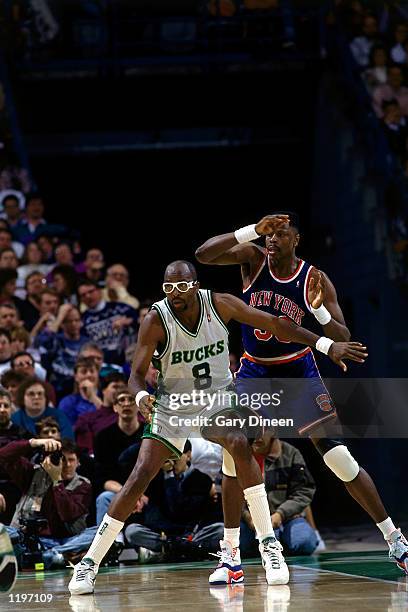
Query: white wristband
x=322, y=314
x=139, y=396
x=246, y=234
x=323, y=344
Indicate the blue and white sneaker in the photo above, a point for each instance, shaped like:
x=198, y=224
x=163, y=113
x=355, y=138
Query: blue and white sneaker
x=228, y=570
x=399, y=550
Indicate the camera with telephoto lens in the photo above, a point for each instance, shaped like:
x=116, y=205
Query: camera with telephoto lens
x=55, y=456
x=32, y=557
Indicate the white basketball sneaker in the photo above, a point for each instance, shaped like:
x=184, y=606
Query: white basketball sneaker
x=399, y=550
x=83, y=579
x=228, y=570
x=273, y=562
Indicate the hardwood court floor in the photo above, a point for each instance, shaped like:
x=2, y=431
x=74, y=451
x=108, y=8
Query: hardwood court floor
x=354, y=582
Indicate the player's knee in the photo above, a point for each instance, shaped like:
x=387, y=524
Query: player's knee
x=228, y=465
x=237, y=445
x=342, y=463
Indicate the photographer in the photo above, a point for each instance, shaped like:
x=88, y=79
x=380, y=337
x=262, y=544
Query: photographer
x=51, y=491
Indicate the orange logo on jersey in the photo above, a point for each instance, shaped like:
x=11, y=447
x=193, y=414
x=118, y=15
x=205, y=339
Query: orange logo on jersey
x=324, y=402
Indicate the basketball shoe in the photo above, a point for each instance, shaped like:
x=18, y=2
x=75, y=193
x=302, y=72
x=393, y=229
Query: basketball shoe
x=273, y=562
x=83, y=579
x=228, y=570
x=399, y=550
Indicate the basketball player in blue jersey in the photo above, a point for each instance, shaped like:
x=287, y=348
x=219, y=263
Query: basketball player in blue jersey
x=277, y=281
x=187, y=336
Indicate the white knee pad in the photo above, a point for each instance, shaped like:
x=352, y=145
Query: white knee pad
x=228, y=465
x=342, y=463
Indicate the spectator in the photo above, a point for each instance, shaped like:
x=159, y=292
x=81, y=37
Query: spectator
x=8, y=278
x=11, y=381
x=47, y=248
x=88, y=425
x=24, y=363
x=59, y=350
x=93, y=266
x=91, y=349
x=393, y=89
x=34, y=285
x=12, y=209
x=110, y=443
x=85, y=397
x=32, y=224
x=31, y=262
x=63, y=254
x=361, y=45
x=6, y=242
x=9, y=492
x=49, y=307
x=398, y=53
x=290, y=489
x=111, y=324
x=55, y=492
x=376, y=74
x=32, y=401
x=64, y=281
x=206, y=457
x=117, y=282
x=9, y=317
x=8, y=258
x=396, y=128
x=20, y=341
x=48, y=428
x=5, y=350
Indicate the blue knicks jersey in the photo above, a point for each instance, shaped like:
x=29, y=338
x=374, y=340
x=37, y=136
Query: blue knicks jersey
x=282, y=297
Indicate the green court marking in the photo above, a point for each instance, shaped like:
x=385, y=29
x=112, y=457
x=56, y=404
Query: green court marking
x=373, y=565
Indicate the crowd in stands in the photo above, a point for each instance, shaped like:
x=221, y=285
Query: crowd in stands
x=378, y=39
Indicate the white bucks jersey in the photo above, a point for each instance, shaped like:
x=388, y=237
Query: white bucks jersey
x=193, y=359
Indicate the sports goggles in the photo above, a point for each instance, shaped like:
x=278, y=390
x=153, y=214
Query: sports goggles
x=182, y=286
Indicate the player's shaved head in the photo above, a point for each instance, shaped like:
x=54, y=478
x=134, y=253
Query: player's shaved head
x=182, y=268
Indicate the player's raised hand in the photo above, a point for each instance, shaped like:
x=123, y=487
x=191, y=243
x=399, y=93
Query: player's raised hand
x=146, y=407
x=317, y=290
x=271, y=223
x=354, y=351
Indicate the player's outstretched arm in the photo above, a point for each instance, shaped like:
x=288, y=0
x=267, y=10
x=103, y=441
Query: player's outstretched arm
x=236, y=247
x=151, y=335
x=231, y=307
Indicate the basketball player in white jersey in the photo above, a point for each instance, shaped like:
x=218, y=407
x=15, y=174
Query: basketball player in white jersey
x=186, y=333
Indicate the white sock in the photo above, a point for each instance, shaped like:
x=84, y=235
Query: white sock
x=232, y=536
x=104, y=538
x=387, y=527
x=257, y=501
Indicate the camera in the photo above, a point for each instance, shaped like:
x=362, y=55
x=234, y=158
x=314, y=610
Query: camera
x=32, y=558
x=55, y=456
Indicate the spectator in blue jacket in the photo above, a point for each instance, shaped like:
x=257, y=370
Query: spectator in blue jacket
x=32, y=401
x=112, y=325
x=85, y=397
x=59, y=348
